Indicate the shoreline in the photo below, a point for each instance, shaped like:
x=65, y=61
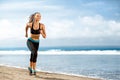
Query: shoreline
x=22, y=74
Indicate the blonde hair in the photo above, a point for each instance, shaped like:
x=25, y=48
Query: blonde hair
x=31, y=18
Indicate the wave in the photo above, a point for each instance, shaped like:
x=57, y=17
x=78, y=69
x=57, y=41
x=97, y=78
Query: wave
x=60, y=52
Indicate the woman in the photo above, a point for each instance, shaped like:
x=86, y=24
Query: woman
x=37, y=28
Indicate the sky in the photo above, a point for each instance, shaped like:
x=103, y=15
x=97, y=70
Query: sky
x=67, y=22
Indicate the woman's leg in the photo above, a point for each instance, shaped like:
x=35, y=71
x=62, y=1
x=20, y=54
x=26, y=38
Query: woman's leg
x=34, y=65
x=35, y=57
x=31, y=48
x=34, y=60
x=31, y=64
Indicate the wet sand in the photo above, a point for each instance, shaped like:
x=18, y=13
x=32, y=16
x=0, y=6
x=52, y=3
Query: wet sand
x=12, y=73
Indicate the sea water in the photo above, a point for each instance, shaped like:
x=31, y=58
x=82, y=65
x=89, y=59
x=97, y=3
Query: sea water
x=100, y=63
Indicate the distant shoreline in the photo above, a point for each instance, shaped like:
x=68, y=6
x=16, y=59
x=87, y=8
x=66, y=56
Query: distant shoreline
x=8, y=73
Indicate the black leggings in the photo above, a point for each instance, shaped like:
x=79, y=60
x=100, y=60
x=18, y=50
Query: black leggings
x=33, y=47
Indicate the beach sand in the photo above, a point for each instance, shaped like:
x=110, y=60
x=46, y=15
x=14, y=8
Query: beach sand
x=12, y=73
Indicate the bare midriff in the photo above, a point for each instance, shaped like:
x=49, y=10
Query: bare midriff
x=35, y=36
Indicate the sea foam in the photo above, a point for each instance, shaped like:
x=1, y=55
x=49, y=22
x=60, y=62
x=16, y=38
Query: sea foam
x=59, y=52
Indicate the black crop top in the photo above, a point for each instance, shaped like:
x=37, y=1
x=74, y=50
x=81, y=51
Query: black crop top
x=35, y=31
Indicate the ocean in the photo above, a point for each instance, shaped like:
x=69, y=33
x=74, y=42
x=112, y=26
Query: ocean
x=98, y=62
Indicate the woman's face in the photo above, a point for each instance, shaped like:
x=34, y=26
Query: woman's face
x=38, y=17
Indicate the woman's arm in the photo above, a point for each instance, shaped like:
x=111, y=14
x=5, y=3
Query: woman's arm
x=26, y=30
x=43, y=32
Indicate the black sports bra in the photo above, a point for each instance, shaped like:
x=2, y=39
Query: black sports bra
x=35, y=31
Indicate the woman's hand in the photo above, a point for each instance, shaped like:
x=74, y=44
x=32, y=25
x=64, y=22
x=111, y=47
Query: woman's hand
x=26, y=35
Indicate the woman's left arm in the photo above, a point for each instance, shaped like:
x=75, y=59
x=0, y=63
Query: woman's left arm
x=43, y=32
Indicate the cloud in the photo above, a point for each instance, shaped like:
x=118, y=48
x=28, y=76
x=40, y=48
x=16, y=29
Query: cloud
x=10, y=29
x=94, y=21
x=12, y=33
x=83, y=27
x=60, y=29
x=114, y=27
x=97, y=26
x=5, y=28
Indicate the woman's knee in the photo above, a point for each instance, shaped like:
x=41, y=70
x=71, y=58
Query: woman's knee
x=35, y=58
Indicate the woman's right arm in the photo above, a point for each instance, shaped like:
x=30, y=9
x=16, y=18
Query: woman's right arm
x=26, y=29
